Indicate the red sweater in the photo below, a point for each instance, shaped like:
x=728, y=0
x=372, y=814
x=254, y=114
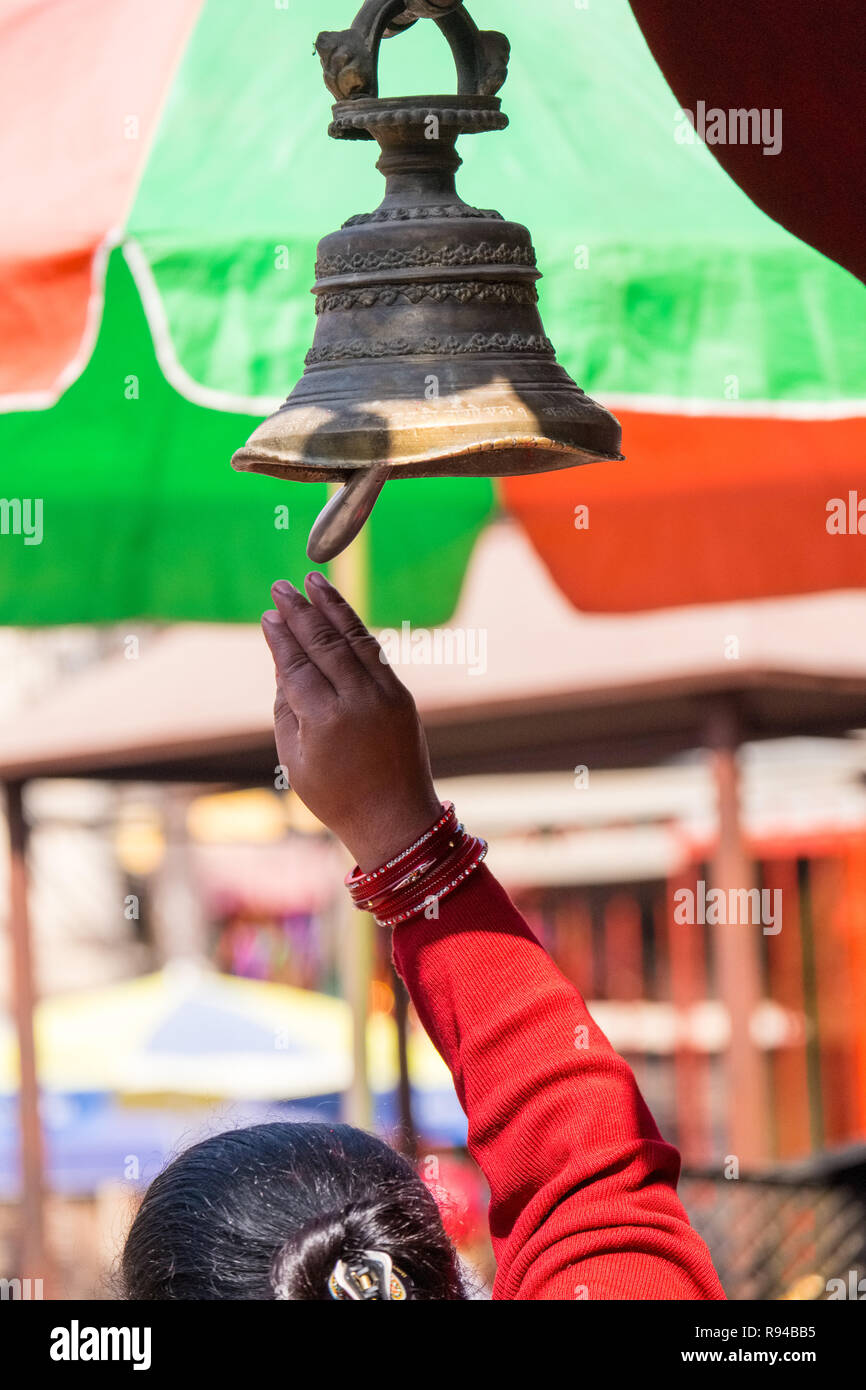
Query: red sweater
x=583, y=1187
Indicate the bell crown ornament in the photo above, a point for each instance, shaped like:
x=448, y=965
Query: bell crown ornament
x=429, y=356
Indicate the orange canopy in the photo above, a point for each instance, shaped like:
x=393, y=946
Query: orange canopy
x=705, y=509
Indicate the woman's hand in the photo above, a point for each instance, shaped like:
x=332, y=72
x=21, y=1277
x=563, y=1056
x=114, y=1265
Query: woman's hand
x=347, y=730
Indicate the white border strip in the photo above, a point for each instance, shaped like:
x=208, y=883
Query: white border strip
x=723, y=410
x=172, y=370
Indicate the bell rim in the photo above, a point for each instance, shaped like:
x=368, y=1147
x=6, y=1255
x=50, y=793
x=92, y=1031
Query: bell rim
x=507, y=452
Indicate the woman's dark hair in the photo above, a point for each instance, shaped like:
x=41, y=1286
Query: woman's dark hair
x=266, y=1212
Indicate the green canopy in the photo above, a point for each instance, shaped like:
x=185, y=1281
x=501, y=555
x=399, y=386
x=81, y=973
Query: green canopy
x=155, y=287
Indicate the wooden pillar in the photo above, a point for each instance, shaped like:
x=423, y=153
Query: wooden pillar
x=834, y=1031
x=856, y=899
x=408, y=1138
x=810, y=1001
x=688, y=988
x=348, y=571
x=572, y=942
x=356, y=968
x=32, y=1257
x=791, y=1119
x=179, y=919
x=623, y=948
x=737, y=952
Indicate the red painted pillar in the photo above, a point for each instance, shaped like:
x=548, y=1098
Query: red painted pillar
x=736, y=951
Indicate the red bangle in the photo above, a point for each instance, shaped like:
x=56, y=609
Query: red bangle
x=427, y=870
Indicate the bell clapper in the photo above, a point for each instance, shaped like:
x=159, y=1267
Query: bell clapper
x=340, y=520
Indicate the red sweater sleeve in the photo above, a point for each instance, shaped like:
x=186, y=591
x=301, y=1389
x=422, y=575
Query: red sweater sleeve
x=583, y=1188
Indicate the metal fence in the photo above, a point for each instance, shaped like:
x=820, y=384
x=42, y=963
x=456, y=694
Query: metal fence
x=794, y=1233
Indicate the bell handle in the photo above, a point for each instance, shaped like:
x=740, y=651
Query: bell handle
x=350, y=57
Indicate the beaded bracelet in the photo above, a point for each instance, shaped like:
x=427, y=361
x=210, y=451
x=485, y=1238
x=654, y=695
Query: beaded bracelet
x=426, y=871
x=366, y=889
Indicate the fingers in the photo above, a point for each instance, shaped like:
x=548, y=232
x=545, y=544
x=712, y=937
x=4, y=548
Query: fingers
x=324, y=647
x=301, y=682
x=331, y=604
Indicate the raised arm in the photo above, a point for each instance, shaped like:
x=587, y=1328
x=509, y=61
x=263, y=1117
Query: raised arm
x=583, y=1188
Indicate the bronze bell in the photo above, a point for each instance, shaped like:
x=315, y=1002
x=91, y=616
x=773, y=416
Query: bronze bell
x=429, y=356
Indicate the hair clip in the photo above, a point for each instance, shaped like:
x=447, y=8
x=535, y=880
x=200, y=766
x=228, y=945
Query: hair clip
x=370, y=1277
